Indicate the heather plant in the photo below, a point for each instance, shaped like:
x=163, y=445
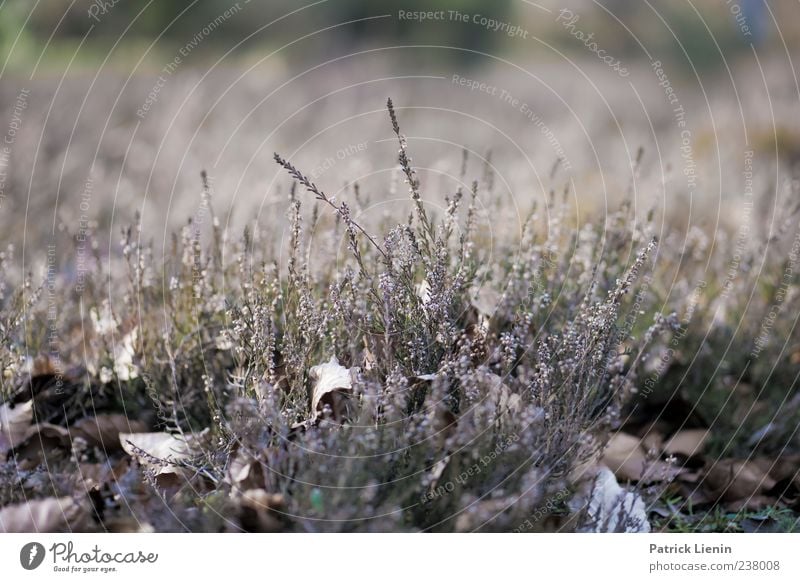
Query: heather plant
x=12, y=308
x=479, y=383
x=440, y=382
x=431, y=377
x=733, y=355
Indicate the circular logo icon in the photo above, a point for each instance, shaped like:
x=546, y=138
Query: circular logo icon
x=31, y=555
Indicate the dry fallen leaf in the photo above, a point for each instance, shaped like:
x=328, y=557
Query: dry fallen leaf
x=486, y=300
x=161, y=445
x=753, y=503
x=244, y=471
x=159, y=452
x=626, y=457
x=733, y=480
x=782, y=468
x=44, y=443
x=14, y=425
x=483, y=305
x=609, y=507
x=44, y=516
x=424, y=292
x=786, y=472
x=103, y=430
x=127, y=524
x=686, y=442
x=332, y=383
x=652, y=440
x=98, y=474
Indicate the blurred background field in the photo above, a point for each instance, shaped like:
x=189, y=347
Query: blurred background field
x=135, y=99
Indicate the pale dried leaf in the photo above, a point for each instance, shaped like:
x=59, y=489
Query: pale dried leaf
x=44, y=443
x=486, y=300
x=424, y=292
x=732, y=480
x=43, y=516
x=332, y=381
x=14, y=425
x=127, y=525
x=103, y=430
x=239, y=469
x=751, y=503
x=687, y=442
x=161, y=445
x=159, y=452
x=784, y=467
x=244, y=471
x=653, y=441
x=609, y=507
x=626, y=457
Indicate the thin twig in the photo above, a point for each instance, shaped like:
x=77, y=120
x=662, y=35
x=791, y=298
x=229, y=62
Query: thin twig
x=320, y=195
